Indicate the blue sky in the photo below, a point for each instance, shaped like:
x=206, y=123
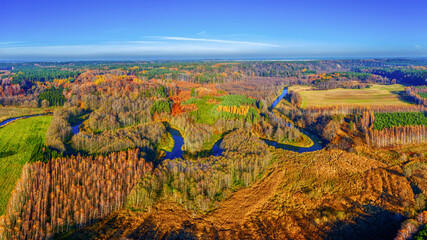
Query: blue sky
x=127, y=30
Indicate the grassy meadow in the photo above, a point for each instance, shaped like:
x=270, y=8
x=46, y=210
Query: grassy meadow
x=17, y=143
x=167, y=143
x=11, y=112
x=423, y=95
x=375, y=95
x=207, y=107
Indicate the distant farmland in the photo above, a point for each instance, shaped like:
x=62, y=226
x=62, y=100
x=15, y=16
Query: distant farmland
x=18, y=140
x=375, y=95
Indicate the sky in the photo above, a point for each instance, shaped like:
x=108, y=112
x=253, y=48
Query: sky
x=263, y=29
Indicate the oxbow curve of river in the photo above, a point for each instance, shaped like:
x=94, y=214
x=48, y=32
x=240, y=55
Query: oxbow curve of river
x=318, y=143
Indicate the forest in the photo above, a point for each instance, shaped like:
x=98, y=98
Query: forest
x=388, y=120
x=200, y=185
x=70, y=192
x=274, y=134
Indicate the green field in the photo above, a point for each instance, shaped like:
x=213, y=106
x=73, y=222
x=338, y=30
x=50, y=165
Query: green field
x=11, y=112
x=207, y=111
x=375, y=95
x=17, y=142
x=423, y=95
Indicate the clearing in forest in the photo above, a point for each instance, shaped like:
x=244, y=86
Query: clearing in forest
x=18, y=140
x=374, y=95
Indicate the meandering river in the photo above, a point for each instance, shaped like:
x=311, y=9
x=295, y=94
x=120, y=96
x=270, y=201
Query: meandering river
x=177, y=147
x=318, y=143
x=76, y=128
x=177, y=151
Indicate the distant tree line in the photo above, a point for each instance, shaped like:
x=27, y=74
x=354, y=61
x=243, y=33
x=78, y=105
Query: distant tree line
x=42, y=75
x=407, y=76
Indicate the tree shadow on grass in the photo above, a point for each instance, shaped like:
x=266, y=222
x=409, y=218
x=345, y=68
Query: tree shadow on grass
x=7, y=154
x=403, y=96
x=115, y=228
x=149, y=230
x=374, y=223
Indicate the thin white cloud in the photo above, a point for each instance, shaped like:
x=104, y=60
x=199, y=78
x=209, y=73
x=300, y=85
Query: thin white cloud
x=158, y=46
x=10, y=43
x=202, y=33
x=219, y=41
x=136, y=42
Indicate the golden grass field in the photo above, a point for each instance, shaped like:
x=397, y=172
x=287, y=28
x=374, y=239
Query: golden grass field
x=375, y=95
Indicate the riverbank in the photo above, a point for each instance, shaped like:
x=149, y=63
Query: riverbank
x=11, y=120
x=14, y=112
x=167, y=143
x=305, y=141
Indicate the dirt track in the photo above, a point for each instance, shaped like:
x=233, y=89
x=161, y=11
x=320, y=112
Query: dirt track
x=235, y=210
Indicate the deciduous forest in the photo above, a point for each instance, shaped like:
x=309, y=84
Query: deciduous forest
x=214, y=149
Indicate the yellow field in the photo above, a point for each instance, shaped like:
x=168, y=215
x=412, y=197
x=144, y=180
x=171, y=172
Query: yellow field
x=375, y=95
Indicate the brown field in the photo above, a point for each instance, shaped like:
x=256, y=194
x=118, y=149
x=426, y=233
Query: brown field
x=375, y=95
x=255, y=87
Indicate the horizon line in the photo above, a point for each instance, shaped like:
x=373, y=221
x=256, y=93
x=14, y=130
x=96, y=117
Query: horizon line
x=213, y=59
